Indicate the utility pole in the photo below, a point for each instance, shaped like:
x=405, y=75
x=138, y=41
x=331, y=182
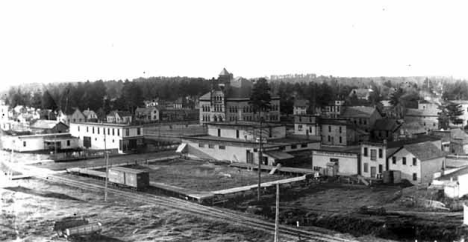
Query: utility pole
x=277, y=214
x=106, y=157
x=260, y=158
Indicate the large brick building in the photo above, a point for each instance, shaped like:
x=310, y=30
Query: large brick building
x=229, y=100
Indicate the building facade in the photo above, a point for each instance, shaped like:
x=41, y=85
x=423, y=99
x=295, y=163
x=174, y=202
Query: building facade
x=362, y=116
x=240, y=142
x=418, y=162
x=306, y=124
x=340, y=132
x=229, y=100
x=98, y=136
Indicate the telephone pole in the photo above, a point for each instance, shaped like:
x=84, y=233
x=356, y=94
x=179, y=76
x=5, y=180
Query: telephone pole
x=106, y=157
x=277, y=214
x=260, y=158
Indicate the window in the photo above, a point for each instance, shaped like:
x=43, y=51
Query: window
x=87, y=129
x=211, y=146
x=366, y=167
x=404, y=160
x=78, y=128
x=340, y=132
x=281, y=148
x=380, y=153
x=335, y=160
x=237, y=133
x=104, y=131
x=219, y=132
x=415, y=177
x=93, y=130
x=415, y=162
x=394, y=160
x=329, y=138
x=127, y=132
x=222, y=147
x=118, y=132
x=113, y=131
x=373, y=154
x=138, y=131
x=329, y=128
x=68, y=142
x=365, y=151
x=108, y=131
x=341, y=140
x=24, y=143
x=303, y=145
x=299, y=127
x=293, y=146
x=201, y=145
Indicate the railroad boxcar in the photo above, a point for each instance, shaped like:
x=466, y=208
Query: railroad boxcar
x=133, y=178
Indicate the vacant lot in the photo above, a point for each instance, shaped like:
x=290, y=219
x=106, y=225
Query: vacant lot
x=204, y=176
x=29, y=211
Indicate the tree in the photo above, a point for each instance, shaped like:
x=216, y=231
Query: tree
x=454, y=111
x=397, y=102
x=48, y=102
x=260, y=98
x=443, y=118
x=261, y=102
x=36, y=101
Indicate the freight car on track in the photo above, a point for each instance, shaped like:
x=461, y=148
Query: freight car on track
x=127, y=177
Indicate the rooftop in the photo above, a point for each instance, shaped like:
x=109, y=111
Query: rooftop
x=422, y=112
x=386, y=124
x=425, y=151
x=45, y=124
x=358, y=112
x=246, y=124
x=301, y=103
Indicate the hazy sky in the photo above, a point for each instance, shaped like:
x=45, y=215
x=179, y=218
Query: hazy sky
x=51, y=41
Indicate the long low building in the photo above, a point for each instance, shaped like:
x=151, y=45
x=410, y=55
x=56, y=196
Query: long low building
x=40, y=142
x=239, y=142
x=333, y=162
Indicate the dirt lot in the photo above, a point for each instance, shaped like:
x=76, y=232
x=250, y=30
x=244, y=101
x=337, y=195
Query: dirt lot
x=205, y=176
x=32, y=208
x=337, y=207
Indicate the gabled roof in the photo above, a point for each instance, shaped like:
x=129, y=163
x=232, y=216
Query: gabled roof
x=145, y=110
x=358, y=112
x=88, y=112
x=45, y=124
x=124, y=113
x=386, y=124
x=360, y=92
x=301, y=103
x=422, y=112
x=224, y=72
x=424, y=151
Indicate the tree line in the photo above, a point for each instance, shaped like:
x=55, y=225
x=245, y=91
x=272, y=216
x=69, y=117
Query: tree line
x=127, y=95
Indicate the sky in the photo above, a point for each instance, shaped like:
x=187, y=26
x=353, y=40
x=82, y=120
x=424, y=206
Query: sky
x=68, y=41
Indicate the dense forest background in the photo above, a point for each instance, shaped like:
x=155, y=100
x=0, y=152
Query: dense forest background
x=319, y=90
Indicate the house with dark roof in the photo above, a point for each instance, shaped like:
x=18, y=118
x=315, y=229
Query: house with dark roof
x=119, y=117
x=148, y=114
x=300, y=106
x=386, y=129
x=341, y=132
x=229, y=100
x=418, y=162
x=333, y=109
x=420, y=121
x=362, y=116
x=70, y=116
x=464, y=107
x=361, y=93
x=375, y=156
x=90, y=115
x=41, y=126
x=453, y=141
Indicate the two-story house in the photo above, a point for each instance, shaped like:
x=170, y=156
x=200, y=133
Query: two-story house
x=364, y=117
x=119, y=117
x=90, y=115
x=307, y=124
x=300, y=106
x=148, y=114
x=340, y=132
x=386, y=129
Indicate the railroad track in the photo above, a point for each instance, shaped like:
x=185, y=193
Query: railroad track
x=223, y=215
